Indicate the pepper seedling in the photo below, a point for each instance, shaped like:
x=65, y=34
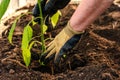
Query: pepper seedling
x=27, y=37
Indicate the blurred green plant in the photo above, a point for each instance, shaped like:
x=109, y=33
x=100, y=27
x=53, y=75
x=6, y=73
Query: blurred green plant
x=27, y=37
x=3, y=7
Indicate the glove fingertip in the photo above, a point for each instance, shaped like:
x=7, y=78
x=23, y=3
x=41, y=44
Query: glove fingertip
x=42, y=57
x=57, y=59
x=47, y=60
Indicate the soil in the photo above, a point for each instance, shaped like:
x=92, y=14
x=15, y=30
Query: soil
x=95, y=57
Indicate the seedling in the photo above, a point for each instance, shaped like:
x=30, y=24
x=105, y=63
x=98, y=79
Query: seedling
x=28, y=38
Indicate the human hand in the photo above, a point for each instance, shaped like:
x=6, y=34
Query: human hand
x=61, y=44
x=36, y=11
x=52, y=6
x=49, y=8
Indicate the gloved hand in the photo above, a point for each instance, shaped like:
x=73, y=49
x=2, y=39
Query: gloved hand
x=49, y=8
x=52, y=6
x=61, y=44
x=36, y=12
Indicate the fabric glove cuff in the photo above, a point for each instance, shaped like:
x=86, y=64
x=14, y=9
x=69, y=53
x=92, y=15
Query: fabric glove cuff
x=68, y=30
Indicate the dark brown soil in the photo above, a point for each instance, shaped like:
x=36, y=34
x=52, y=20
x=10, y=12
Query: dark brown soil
x=95, y=57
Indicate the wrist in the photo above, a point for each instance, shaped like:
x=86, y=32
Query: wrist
x=75, y=27
x=71, y=30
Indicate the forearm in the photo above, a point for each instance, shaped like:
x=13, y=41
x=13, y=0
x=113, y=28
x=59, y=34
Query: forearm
x=87, y=12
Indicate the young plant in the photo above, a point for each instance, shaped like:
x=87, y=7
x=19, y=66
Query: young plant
x=27, y=38
x=3, y=7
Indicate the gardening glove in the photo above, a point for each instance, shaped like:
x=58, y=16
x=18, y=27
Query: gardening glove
x=61, y=44
x=36, y=11
x=49, y=8
x=52, y=6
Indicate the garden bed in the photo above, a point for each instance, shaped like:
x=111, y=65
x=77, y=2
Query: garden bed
x=95, y=57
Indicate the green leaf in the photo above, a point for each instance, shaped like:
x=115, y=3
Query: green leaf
x=13, y=28
x=3, y=7
x=32, y=43
x=27, y=36
x=59, y=13
x=33, y=22
x=55, y=18
x=26, y=56
x=45, y=28
x=11, y=31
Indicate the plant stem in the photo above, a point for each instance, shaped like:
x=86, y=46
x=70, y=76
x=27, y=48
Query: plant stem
x=41, y=26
